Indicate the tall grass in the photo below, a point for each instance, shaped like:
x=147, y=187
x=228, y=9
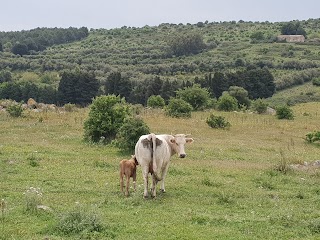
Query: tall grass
x=226, y=187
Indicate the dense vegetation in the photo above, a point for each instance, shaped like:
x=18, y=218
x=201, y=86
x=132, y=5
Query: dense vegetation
x=137, y=63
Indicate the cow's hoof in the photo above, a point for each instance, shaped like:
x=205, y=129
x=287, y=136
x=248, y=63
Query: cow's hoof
x=145, y=197
x=163, y=190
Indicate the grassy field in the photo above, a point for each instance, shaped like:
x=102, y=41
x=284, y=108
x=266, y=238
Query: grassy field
x=228, y=187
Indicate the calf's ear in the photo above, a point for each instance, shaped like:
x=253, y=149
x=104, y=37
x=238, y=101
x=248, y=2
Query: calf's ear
x=189, y=140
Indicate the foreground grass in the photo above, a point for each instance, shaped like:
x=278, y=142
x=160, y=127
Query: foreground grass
x=227, y=187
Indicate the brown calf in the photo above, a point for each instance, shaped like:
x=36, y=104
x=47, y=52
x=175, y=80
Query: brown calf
x=128, y=169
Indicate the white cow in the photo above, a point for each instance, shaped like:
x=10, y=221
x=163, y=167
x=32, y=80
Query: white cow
x=153, y=153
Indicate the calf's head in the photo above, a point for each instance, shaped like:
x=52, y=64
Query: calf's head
x=133, y=157
x=178, y=141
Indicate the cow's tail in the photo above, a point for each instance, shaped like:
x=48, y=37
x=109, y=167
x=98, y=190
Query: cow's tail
x=154, y=161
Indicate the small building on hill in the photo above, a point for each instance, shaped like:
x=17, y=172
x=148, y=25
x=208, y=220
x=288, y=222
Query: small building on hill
x=291, y=38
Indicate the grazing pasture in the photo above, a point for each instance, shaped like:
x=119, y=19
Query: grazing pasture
x=233, y=184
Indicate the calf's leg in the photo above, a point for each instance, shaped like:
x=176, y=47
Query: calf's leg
x=127, y=186
x=121, y=182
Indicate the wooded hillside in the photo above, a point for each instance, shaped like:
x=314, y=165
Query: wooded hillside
x=134, y=60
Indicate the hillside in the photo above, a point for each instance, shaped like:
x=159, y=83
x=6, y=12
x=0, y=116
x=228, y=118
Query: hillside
x=142, y=53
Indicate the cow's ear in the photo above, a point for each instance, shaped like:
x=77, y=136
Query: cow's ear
x=189, y=140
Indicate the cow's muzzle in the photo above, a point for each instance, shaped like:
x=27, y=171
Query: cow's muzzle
x=182, y=155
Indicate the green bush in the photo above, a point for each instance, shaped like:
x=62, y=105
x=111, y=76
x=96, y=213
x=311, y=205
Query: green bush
x=217, y=121
x=241, y=95
x=15, y=110
x=284, y=112
x=130, y=132
x=156, y=101
x=313, y=137
x=316, y=81
x=227, y=103
x=178, y=108
x=196, y=96
x=260, y=106
x=107, y=114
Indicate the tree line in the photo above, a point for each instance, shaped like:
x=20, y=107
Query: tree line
x=80, y=87
x=27, y=42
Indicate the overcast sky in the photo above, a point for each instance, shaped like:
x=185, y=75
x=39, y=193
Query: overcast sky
x=17, y=15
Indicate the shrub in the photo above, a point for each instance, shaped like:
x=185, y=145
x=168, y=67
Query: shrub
x=241, y=95
x=196, y=96
x=155, y=101
x=260, y=106
x=217, y=121
x=227, y=103
x=178, y=108
x=107, y=114
x=15, y=110
x=313, y=137
x=78, y=221
x=284, y=112
x=316, y=81
x=69, y=107
x=130, y=132
x=33, y=199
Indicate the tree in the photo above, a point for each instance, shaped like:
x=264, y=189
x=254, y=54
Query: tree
x=156, y=101
x=1, y=48
x=258, y=36
x=259, y=83
x=118, y=85
x=5, y=76
x=293, y=28
x=177, y=107
x=107, y=114
x=138, y=94
x=78, y=87
x=20, y=49
x=227, y=103
x=10, y=90
x=153, y=86
x=196, y=96
x=240, y=94
x=186, y=44
x=218, y=84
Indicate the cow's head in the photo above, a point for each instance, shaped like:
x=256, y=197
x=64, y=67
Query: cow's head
x=178, y=141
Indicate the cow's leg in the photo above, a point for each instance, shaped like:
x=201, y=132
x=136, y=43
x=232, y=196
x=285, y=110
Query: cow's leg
x=154, y=185
x=145, y=172
x=164, y=173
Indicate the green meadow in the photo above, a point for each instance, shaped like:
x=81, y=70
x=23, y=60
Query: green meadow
x=233, y=184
